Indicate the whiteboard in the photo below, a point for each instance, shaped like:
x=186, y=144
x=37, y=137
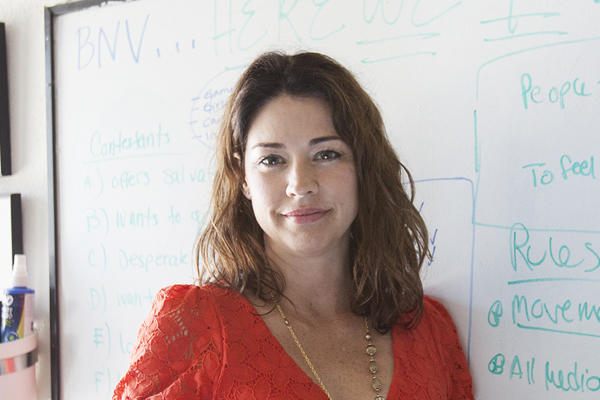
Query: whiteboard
x=493, y=106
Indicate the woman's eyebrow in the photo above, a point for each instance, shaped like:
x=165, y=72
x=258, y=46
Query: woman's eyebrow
x=268, y=145
x=323, y=139
x=274, y=145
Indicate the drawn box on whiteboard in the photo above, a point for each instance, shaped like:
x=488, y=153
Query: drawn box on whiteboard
x=537, y=147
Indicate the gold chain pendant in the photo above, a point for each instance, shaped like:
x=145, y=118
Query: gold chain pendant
x=371, y=350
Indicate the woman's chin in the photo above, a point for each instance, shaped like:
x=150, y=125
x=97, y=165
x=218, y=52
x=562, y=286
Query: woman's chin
x=310, y=245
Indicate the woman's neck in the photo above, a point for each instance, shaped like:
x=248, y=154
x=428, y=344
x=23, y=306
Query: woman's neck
x=319, y=286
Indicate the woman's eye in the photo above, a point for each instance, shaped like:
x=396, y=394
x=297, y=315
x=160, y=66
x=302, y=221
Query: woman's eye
x=270, y=161
x=327, y=155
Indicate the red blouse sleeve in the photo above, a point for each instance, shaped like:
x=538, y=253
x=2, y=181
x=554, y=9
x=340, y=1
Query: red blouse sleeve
x=456, y=362
x=179, y=348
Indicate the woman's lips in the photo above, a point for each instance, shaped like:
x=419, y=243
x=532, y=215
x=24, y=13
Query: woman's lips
x=305, y=215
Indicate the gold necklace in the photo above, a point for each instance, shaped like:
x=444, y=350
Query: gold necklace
x=370, y=350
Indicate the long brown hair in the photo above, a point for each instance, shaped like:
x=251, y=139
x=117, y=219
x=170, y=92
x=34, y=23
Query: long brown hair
x=388, y=237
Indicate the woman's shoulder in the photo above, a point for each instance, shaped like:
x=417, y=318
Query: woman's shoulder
x=199, y=306
x=435, y=328
x=436, y=337
x=181, y=338
x=434, y=310
x=183, y=291
x=181, y=309
x=171, y=298
x=437, y=320
x=185, y=312
x=444, y=334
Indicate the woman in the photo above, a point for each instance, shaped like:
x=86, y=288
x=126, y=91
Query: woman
x=313, y=250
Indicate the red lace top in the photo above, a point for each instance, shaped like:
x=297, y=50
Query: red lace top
x=209, y=343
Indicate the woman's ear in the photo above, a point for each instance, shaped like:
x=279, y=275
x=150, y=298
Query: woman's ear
x=245, y=189
x=238, y=159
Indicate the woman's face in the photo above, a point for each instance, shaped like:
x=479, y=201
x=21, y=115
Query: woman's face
x=300, y=177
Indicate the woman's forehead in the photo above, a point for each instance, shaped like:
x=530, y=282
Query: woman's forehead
x=290, y=118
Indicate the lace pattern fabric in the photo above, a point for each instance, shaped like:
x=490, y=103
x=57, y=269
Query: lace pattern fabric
x=208, y=343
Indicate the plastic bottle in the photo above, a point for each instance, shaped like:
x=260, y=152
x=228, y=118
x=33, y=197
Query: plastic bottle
x=17, y=305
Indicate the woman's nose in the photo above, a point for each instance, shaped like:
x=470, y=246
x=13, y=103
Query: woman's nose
x=302, y=180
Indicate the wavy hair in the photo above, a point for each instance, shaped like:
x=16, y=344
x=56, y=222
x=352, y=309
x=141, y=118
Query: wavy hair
x=388, y=237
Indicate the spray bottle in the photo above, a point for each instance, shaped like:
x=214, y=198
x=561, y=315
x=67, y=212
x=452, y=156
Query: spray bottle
x=17, y=305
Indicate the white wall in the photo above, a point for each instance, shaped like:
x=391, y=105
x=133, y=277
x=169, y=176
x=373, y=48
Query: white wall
x=24, y=21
